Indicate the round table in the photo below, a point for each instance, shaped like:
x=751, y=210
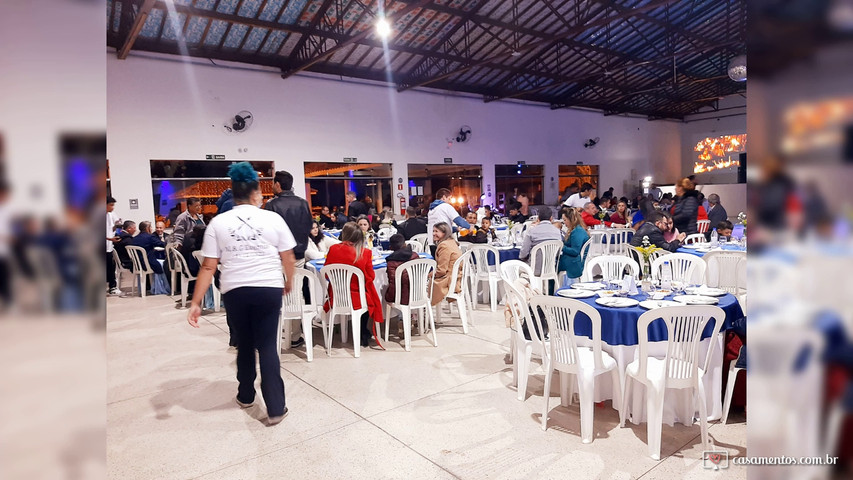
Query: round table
x=380, y=281
x=619, y=339
x=731, y=247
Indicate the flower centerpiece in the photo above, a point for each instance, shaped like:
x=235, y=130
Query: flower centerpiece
x=741, y=218
x=647, y=249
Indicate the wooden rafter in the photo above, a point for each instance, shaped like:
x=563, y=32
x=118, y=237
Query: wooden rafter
x=138, y=23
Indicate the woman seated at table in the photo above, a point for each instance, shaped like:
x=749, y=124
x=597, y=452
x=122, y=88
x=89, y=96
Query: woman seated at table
x=147, y=240
x=571, y=261
x=402, y=254
x=318, y=243
x=369, y=235
x=621, y=215
x=446, y=253
x=351, y=251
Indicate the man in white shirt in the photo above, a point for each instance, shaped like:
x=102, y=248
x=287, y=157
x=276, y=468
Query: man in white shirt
x=581, y=198
x=441, y=210
x=112, y=218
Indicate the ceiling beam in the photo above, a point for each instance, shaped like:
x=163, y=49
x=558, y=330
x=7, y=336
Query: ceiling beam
x=426, y=79
x=353, y=39
x=138, y=23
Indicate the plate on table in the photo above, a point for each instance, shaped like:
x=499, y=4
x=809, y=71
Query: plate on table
x=696, y=246
x=695, y=299
x=616, y=302
x=377, y=261
x=573, y=293
x=589, y=285
x=652, y=304
x=705, y=291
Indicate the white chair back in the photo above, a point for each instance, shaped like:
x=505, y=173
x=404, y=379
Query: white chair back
x=619, y=240
x=417, y=247
x=384, y=234
x=181, y=264
x=117, y=260
x=293, y=302
x=516, y=233
x=461, y=274
x=724, y=270
x=703, y=226
x=585, y=252
x=695, y=238
x=560, y=314
x=598, y=243
x=139, y=257
x=480, y=255
x=684, y=326
x=339, y=277
x=512, y=270
x=544, y=258
x=612, y=268
x=686, y=267
x=418, y=273
x=422, y=239
x=520, y=311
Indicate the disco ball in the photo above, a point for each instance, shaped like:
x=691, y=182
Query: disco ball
x=737, y=68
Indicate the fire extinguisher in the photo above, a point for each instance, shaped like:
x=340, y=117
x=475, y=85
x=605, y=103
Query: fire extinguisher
x=402, y=203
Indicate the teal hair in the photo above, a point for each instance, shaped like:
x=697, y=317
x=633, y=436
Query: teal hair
x=242, y=172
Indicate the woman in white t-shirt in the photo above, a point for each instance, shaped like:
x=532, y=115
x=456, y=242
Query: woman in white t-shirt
x=253, y=246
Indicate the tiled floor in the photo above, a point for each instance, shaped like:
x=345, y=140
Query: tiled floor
x=446, y=412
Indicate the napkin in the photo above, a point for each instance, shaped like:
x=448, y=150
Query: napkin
x=629, y=286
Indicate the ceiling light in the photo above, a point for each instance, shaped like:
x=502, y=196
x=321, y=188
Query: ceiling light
x=737, y=68
x=383, y=28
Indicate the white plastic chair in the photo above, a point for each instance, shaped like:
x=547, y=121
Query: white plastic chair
x=186, y=277
x=598, y=242
x=384, y=234
x=482, y=271
x=567, y=357
x=724, y=270
x=703, y=226
x=46, y=272
x=463, y=264
x=512, y=270
x=686, y=267
x=618, y=240
x=141, y=268
x=516, y=233
x=679, y=369
x=522, y=349
x=612, y=268
x=419, y=272
x=170, y=262
x=730, y=386
x=416, y=246
x=422, y=238
x=293, y=307
x=545, y=256
x=695, y=238
x=339, y=277
x=199, y=257
x=120, y=269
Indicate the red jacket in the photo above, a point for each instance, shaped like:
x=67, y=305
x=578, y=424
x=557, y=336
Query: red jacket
x=701, y=214
x=589, y=220
x=344, y=253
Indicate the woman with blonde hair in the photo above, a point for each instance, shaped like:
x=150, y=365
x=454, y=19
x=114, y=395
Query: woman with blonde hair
x=686, y=207
x=571, y=261
x=446, y=253
x=352, y=251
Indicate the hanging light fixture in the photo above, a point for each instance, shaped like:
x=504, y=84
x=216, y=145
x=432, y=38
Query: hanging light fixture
x=737, y=68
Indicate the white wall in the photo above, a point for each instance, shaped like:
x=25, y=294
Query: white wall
x=164, y=109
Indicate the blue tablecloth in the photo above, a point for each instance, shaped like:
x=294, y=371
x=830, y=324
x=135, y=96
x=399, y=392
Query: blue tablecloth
x=727, y=247
x=619, y=325
x=318, y=264
x=336, y=234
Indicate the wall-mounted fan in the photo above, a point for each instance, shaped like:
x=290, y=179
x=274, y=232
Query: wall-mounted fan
x=464, y=134
x=238, y=123
x=591, y=143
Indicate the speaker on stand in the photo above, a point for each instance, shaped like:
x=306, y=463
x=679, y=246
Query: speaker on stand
x=741, y=169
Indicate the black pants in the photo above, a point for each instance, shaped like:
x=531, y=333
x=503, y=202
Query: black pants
x=111, y=270
x=5, y=282
x=252, y=313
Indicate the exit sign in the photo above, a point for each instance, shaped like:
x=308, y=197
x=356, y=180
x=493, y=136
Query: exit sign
x=448, y=160
x=214, y=157
x=350, y=159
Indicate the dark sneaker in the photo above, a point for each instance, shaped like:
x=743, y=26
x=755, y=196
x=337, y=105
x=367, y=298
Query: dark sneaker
x=277, y=419
x=297, y=343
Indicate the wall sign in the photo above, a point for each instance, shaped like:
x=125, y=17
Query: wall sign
x=448, y=160
x=134, y=204
x=214, y=157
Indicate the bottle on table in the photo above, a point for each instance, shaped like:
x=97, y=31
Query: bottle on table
x=666, y=276
x=715, y=238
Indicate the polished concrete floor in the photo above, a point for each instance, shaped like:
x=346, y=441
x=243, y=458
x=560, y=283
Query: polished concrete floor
x=446, y=412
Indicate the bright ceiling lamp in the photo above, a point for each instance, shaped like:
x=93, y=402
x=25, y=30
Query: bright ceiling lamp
x=383, y=28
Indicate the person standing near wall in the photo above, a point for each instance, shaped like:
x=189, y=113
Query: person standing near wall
x=253, y=245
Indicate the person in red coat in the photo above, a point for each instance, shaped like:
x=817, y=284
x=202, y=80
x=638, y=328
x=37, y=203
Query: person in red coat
x=351, y=251
x=590, y=216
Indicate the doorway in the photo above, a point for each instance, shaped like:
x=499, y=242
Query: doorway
x=463, y=181
x=326, y=184
x=514, y=180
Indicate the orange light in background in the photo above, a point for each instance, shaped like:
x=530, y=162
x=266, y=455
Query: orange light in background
x=716, y=153
x=816, y=126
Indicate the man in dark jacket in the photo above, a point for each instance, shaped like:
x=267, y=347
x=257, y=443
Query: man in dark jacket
x=149, y=241
x=413, y=225
x=653, y=228
x=354, y=207
x=294, y=210
x=716, y=212
x=128, y=229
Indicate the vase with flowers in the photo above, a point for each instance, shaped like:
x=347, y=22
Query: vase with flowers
x=647, y=249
